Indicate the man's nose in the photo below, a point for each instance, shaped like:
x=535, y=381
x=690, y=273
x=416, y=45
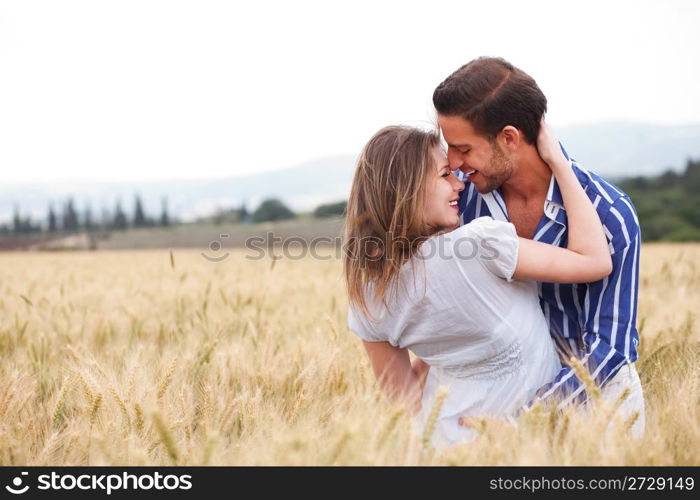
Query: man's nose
x=454, y=160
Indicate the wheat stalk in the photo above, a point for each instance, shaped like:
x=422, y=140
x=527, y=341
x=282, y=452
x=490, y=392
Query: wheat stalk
x=432, y=419
x=166, y=437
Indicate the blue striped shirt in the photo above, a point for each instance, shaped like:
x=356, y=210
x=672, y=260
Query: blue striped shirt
x=595, y=322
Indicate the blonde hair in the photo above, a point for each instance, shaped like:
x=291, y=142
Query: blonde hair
x=385, y=224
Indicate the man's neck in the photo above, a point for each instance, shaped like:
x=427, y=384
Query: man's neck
x=530, y=180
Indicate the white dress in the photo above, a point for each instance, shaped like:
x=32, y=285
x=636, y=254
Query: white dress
x=482, y=333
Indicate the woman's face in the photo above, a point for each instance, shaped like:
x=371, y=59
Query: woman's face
x=443, y=190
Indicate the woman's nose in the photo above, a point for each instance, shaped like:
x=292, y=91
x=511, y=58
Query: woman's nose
x=457, y=185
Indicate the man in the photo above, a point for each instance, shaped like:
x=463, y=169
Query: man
x=489, y=113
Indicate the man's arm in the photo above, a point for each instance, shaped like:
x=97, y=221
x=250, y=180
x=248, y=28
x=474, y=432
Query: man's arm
x=610, y=335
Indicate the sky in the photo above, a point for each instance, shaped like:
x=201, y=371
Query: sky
x=146, y=89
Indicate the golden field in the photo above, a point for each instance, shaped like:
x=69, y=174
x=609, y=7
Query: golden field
x=131, y=358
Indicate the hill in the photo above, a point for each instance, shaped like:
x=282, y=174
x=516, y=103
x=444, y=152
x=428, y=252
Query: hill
x=613, y=150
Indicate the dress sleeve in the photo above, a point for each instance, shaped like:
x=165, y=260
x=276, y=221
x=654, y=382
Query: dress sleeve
x=362, y=327
x=497, y=244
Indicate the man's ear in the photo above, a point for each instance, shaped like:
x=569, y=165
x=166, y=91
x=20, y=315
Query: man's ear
x=510, y=138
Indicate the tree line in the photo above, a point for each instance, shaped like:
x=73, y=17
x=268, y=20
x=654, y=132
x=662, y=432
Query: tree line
x=67, y=219
x=668, y=205
x=273, y=210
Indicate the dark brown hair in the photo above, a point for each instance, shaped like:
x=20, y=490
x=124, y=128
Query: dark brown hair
x=491, y=93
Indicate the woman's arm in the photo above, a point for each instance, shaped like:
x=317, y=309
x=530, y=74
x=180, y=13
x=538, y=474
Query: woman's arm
x=395, y=374
x=587, y=256
x=421, y=369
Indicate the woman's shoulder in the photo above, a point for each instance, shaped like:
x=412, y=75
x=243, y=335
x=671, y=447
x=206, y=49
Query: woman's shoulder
x=491, y=243
x=475, y=232
x=484, y=226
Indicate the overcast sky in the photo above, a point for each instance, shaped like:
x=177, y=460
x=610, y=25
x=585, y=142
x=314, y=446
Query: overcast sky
x=123, y=90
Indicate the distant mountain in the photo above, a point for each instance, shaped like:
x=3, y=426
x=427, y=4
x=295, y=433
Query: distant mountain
x=614, y=150
x=622, y=150
x=302, y=187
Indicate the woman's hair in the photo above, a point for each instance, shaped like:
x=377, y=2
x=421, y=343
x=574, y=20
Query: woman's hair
x=385, y=224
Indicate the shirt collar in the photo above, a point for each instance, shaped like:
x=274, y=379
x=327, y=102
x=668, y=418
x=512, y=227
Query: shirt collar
x=554, y=193
x=554, y=202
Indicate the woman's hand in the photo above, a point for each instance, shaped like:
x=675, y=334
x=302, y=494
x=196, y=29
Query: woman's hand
x=548, y=147
x=421, y=369
x=587, y=255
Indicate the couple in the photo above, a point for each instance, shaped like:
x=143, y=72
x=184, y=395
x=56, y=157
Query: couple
x=486, y=282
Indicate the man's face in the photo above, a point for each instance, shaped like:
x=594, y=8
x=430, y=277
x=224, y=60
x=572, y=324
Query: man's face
x=484, y=161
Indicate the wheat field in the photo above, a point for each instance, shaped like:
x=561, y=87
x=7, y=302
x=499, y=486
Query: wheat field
x=152, y=358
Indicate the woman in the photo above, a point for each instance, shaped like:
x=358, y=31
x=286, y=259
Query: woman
x=463, y=300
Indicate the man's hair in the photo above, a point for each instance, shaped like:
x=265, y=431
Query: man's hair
x=491, y=93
